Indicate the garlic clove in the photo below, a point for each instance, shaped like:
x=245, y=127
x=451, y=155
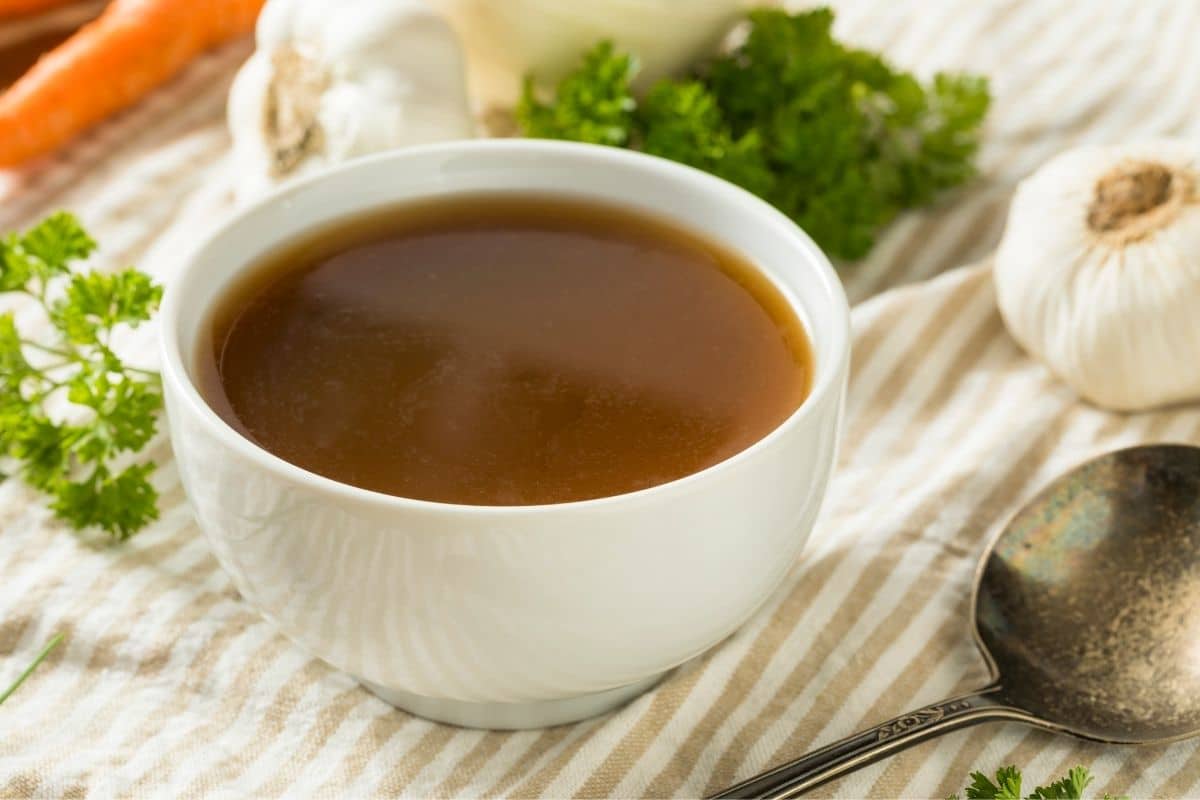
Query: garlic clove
x=1098, y=272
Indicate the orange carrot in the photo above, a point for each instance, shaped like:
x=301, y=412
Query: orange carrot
x=109, y=64
x=17, y=8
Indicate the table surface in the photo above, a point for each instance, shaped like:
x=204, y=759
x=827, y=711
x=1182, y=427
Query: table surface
x=169, y=684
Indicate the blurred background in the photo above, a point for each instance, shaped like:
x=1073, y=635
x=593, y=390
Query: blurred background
x=1062, y=72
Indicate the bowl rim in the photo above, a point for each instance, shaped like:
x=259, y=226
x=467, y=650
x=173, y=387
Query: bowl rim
x=830, y=367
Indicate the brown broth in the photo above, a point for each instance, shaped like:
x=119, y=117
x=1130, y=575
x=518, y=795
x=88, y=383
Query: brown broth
x=504, y=350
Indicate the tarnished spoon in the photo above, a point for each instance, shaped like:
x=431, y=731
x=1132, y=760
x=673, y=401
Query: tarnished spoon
x=1087, y=609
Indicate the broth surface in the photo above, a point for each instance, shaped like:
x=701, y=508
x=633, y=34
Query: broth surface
x=504, y=350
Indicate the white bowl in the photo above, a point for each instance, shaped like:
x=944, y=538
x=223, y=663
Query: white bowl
x=517, y=616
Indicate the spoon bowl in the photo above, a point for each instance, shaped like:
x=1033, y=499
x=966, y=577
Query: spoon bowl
x=1087, y=609
x=1088, y=604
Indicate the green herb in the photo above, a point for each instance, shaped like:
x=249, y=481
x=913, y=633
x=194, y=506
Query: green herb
x=594, y=104
x=69, y=406
x=50, y=645
x=833, y=136
x=1007, y=786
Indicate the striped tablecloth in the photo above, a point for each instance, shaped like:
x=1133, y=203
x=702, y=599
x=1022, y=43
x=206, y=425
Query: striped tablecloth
x=169, y=685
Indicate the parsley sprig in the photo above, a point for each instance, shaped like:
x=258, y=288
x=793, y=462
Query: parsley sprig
x=831, y=135
x=70, y=407
x=1007, y=786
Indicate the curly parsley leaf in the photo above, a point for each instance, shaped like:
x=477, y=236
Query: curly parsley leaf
x=831, y=135
x=593, y=104
x=682, y=121
x=111, y=408
x=1007, y=786
x=56, y=241
x=1068, y=788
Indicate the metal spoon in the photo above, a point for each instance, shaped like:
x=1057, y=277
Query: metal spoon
x=1087, y=610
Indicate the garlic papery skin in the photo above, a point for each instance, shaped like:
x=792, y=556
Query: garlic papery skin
x=332, y=81
x=1098, y=272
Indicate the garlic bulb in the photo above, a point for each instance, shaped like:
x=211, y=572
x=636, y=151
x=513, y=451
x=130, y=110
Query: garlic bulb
x=1098, y=273
x=508, y=38
x=329, y=82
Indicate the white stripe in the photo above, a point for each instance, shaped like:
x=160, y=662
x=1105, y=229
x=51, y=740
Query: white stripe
x=298, y=723
x=92, y=627
x=260, y=698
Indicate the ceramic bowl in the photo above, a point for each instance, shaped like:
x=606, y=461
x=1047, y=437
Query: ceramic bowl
x=518, y=616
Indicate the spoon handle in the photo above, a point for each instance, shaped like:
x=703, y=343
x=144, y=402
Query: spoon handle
x=832, y=761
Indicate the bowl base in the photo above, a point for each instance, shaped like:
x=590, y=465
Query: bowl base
x=512, y=716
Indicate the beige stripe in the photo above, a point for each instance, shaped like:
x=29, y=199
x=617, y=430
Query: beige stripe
x=666, y=701
x=274, y=721
x=868, y=339
x=33, y=554
x=985, y=212
x=985, y=341
x=1179, y=783
x=150, y=665
x=103, y=585
x=466, y=768
x=21, y=785
x=535, y=785
x=415, y=760
x=19, y=625
x=746, y=674
x=108, y=647
x=1032, y=744
x=948, y=638
x=1075, y=754
x=1180, y=99
x=902, y=371
x=546, y=741
x=375, y=736
x=965, y=761
x=159, y=202
x=194, y=677
x=327, y=720
x=29, y=687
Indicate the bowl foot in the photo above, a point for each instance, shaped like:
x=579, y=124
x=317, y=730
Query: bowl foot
x=512, y=716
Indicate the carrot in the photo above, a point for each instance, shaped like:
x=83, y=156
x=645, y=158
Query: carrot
x=17, y=8
x=109, y=64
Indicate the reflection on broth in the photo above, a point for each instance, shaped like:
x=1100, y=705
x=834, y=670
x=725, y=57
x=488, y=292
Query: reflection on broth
x=503, y=350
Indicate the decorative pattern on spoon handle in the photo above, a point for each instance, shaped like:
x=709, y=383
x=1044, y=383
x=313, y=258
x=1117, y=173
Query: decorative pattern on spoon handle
x=832, y=761
x=925, y=716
